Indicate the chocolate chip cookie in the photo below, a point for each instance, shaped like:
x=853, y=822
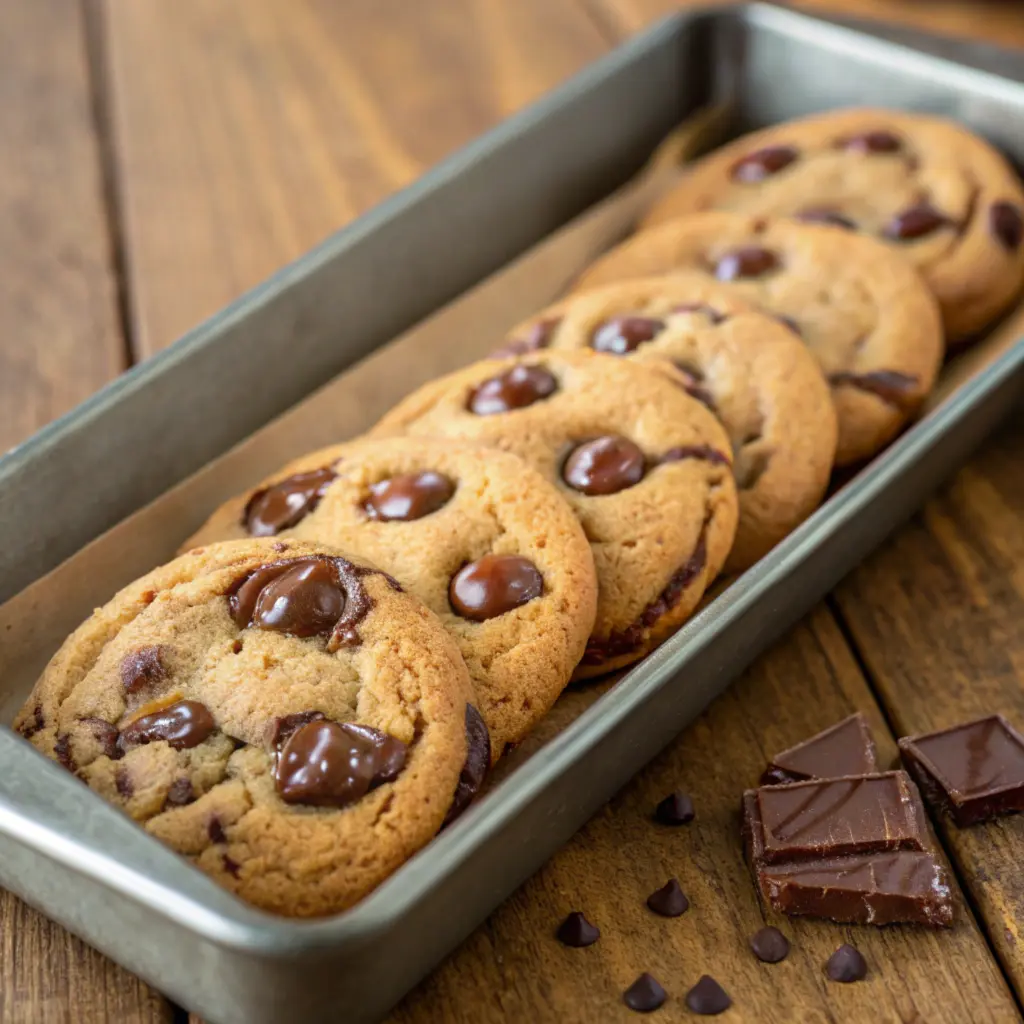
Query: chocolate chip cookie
x=860, y=307
x=478, y=535
x=929, y=188
x=645, y=466
x=749, y=369
x=283, y=715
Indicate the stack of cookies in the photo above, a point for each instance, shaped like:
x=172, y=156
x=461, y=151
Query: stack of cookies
x=320, y=683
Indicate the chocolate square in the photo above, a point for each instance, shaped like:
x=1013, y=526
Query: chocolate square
x=846, y=748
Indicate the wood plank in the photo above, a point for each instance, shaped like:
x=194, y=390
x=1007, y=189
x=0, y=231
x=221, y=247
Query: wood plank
x=288, y=120
x=512, y=968
x=938, y=614
x=61, y=341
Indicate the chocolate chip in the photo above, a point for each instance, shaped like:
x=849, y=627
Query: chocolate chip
x=106, y=735
x=1005, y=221
x=669, y=900
x=236, y=646
x=215, y=831
x=644, y=995
x=279, y=729
x=675, y=809
x=62, y=751
x=876, y=141
x=230, y=866
x=29, y=729
x=408, y=496
x=325, y=764
x=770, y=945
x=624, y=334
x=825, y=215
x=846, y=964
x=182, y=725
x=916, y=222
x=537, y=337
x=695, y=451
x=180, y=792
x=514, y=389
x=698, y=307
x=763, y=163
x=142, y=668
x=577, y=931
x=123, y=782
x=605, y=465
x=746, y=261
x=707, y=998
x=303, y=598
x=493, y=585
x=474, y=769
x=282, y=505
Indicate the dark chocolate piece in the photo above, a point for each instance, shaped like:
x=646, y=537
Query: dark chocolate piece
x=514, y=389
x=877, y=141
x=282, y=505
x=644, y=995
x=494, y=585
x=895, y=388
x=916, y=222
x=846, y=964
x=703, y=452
x=846, y=748
x=478, y=760
x=408, y=496
x=669, y=900
x=538, y=337
x=707, y=998
x=182, y=725
x=605, y=465
x=973, y=772
x=746, y=261
x=763, y=163
x=624, y=334
x=577, y=931
x=769, y=945
x=1007, y=224
x=142, y=668
x=180, y=792
x=675, y=809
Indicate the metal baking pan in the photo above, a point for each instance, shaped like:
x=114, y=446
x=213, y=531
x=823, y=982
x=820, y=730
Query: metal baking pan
x=83, y=864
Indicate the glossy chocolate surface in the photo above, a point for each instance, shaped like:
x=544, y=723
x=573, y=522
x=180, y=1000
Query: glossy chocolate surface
x=605, y=465
x=516, y=388
x=624, y=334
x=846, y=748
x=474, y=771
x=763, y=163
x=182, y=725
x=285, y=503
x=494, y=585
x=408, y=496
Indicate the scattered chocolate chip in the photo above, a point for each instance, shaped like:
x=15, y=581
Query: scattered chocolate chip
x=142, y=668
x=763, y=163
x=230, y=866
x=62, y=750
x=895, y=388
x=695, y=451
x=644, y=995
x=846, y=964
x=182, y=725
x=282, y=505
x=106, y=735
x=215, y=831
x=698, y=307
x=825, y=215
x=707, y=998
x=408, y=496
x=514, y=389
x=577, y=931
x=1006, y=223
x=123, y=782
x=537, y=337
x=623, y=334
x=180, y=792
x=675, y=809
x=29, y=729
x=493, y=585
x=605, y=465
x=669, y=900
x=916, y=222
x=770, y=945
x=877, y=141
x=474, y=770
x=746, y=261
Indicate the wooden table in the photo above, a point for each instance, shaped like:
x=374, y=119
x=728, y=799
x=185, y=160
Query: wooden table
x=159, y=158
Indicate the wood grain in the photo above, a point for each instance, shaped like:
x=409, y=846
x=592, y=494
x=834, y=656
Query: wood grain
x=512, y=968
x=248, y=130
x=938, y=615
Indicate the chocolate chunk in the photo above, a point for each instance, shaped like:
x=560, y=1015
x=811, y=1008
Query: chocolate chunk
x=695, y=451
x=282, y=505
x=537, y=337
x=825, y=215
x=605, y=465
x=895, y=388
x=644, y=995
x=408, y=496
x=972, y=772
x=514, y=389
x=325, y=764
x=577, y=931
x=230, y=866
x=215, y=831
x=675, y=809
x=769, y=945
x=877, y=141
x=123, y=782
x=37, y=722
x=493, y=585
x=624, y=334
x=707, y=997
x=1006, y=224
x=916, y=222
x=182, y=725
x=180, y=792
x=836, y=817
x=746, y=261
x=846, y=964
x=846, y=748
x=763, y=163
x=62, y=751
x=279, y=729
x=474, y=770
x=106, y=735
x=699, y=307
x=669, y=900
x=142, y=668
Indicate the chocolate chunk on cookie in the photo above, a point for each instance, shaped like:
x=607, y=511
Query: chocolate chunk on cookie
x=753, y=372
x=644, y=465
x=938, y=194
x=480, y=537
x=859, y=306
x=305, y=732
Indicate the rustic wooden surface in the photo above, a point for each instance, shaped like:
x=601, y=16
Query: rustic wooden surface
x=161, y=158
